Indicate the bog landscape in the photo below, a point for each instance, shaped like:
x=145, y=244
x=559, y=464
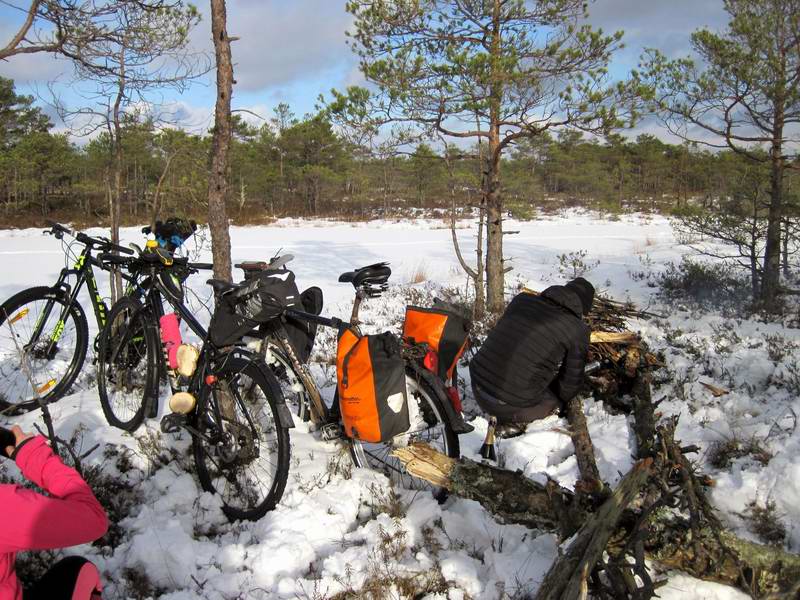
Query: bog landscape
x=257, y=256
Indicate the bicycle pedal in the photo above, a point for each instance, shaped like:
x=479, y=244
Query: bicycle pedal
x=331, y=432
x=172, y=423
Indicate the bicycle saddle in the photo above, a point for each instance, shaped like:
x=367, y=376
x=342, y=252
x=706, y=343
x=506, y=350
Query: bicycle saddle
x=377, y=274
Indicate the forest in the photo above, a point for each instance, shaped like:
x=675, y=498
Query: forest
x=304, y=167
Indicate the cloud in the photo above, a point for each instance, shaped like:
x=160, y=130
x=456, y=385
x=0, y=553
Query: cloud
x=656, y=24
x=281, y=42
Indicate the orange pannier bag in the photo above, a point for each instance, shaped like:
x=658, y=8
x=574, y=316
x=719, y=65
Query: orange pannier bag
x=443, y=329
x=371, y=377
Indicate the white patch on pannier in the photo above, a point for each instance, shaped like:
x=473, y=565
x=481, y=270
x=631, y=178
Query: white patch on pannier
x=395, y=401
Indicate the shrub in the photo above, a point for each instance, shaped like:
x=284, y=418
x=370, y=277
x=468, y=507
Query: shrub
x=722, y=453
x=765, y=522
x=706, y=285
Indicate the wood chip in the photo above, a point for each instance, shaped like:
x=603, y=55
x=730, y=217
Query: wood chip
x=715, y=391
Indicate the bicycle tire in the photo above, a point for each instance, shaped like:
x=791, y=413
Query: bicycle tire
x=127, y=365
x=15, y=309
x=429, y=402
x=247, y=372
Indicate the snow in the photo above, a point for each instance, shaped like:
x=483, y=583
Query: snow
x=335, y=528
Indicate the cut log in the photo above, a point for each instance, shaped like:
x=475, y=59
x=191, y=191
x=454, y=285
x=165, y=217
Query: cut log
x=622, y=338
x=717, y=392
x=568, y=577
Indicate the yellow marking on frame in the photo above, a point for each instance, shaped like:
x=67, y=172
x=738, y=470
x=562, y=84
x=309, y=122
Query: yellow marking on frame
x=20, y=315
x=46, y=387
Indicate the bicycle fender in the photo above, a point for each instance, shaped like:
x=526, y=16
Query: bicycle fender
x=457, y=422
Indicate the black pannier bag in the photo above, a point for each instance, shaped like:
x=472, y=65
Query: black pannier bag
x=250, y=305
x=303, y=333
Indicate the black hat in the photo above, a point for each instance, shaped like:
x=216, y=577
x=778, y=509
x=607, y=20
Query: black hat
x=584, y=291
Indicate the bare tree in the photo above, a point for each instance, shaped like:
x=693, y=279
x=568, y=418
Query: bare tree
x=143, y=51
x=69, y=27
x=220, y=145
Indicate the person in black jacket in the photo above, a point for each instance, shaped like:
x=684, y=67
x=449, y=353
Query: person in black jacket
x=533, y=360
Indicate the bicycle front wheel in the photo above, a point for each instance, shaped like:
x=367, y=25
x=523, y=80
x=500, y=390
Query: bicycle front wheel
x=127, y=364
x=428, y=425
x=241, y=448
x=43, y=343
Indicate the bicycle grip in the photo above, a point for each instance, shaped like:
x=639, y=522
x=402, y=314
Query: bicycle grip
x=114, y=259
x=7, y=438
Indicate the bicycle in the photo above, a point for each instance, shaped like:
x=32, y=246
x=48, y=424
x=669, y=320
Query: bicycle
x=230, y=403
x=434, y=419
x=44, y=331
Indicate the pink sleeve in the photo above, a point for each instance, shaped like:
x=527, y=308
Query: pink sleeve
x=71, y=515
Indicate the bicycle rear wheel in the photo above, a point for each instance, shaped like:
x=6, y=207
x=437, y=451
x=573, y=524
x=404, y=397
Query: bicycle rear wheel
x=127, y=365
x=428, y=425
x=37, y=344
x=242, y=450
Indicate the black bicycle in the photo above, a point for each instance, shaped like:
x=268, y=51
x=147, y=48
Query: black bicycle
x=44, y=333
x=433, y=418
x=227, y=400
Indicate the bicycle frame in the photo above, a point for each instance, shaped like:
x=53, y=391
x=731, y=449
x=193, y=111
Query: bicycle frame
x=320, y=414
x=154, y=295
x=83, y=271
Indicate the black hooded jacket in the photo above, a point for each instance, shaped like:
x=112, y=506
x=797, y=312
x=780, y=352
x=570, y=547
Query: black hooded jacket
x=536, y=352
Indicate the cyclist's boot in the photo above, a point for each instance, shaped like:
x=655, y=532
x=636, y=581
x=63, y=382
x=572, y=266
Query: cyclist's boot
x=487, y=450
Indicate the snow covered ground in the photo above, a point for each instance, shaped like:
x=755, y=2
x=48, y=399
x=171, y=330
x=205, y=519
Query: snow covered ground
x=339, y=529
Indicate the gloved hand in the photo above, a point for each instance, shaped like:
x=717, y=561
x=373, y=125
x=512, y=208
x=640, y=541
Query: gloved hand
x=11, y=438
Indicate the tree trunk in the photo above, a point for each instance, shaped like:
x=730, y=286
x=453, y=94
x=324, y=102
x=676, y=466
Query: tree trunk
x=495, y=273
x=115, y=199
x=220, y=145
x=495, y=277
x=770, y=281
x=785, y=241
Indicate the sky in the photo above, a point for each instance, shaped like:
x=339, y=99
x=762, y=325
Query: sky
x=294, y=50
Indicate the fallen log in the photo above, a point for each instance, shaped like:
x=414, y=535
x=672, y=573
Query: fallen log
x=671, y=540
x=511, y=496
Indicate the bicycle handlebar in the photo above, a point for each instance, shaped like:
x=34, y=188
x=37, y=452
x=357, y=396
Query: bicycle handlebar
x=105, y=257
x=59, y=231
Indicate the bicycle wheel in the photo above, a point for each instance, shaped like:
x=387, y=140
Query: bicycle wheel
x=36, y=343
x=428, y=425
x=128, y=365
x=242, y=450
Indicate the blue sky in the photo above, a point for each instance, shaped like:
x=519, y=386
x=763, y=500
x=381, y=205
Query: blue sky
x=293, y=50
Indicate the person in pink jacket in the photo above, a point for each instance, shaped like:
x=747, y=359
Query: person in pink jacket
x=70, y=515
